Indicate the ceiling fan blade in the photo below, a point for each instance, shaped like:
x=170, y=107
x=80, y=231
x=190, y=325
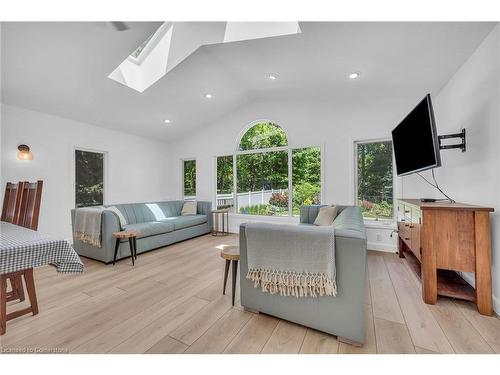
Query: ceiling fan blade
x=120, y=26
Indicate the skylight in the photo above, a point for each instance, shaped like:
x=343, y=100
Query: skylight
x=139, y=49
x=173, y=42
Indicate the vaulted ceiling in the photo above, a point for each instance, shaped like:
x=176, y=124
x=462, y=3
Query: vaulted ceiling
x=62, y=68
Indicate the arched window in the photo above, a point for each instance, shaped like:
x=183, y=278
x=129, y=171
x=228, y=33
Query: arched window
x=259, y=178
x=263, y=135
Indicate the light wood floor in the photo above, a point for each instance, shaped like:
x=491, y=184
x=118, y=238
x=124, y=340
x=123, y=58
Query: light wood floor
x=171, y=302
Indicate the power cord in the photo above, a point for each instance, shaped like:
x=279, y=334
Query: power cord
x=436, y=186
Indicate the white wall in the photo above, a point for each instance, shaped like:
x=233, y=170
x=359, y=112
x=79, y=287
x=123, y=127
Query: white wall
x=137, y=167
x=332, y=124
x=471, y=99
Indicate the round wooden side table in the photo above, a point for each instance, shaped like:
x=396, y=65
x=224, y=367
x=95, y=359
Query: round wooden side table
x=232, y=255
x=132, y=240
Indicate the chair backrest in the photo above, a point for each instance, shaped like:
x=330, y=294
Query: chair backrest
x=11, y=201
x=28, y=210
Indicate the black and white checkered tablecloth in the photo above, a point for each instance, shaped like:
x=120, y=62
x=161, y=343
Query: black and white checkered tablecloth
x=22, y=248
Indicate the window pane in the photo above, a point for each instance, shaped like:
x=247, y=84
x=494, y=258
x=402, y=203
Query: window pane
x=189, y=179
x=263, y=183
x=375, y=175
x=263, y=135
x=306, y=177
x=89, y=178
x=225, y=197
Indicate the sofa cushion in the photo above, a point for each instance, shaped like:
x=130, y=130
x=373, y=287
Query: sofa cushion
x=150, y=228
x=189, y=208
x=181, y=222
x=326, y=216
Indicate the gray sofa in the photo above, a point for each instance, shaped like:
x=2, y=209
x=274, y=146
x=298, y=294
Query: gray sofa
x=342, y=315
x=159, y=223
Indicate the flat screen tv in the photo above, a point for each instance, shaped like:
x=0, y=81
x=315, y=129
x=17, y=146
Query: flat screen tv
x=415, y=140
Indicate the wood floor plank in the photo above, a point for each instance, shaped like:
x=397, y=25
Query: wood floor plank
x=75, y=330
x=316, y=342
x=219, y=335
x=193, y=328
x=167, y=345
x=423, y=327
x=384, y=301
x=174, y=294
x=252, y=338
x=213, y=291
x=460, y=333
x=420, y=350
x=143, y=340
x=107, y=340
x=392, y=338
x=287, y=338
x=487, y=326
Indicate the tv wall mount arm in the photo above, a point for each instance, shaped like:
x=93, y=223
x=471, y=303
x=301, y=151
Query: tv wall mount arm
x=461, y=145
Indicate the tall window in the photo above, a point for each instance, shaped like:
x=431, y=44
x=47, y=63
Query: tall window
x=270, y=178
x=225, y=196
x=375, y=179
x=89, y=178
x=306, y=177
x=189, y=179
x=262, y=183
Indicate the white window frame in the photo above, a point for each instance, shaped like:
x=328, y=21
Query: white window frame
x=355, y=202
x=215, y=182
x=289, y=149
x=182, y=178
x=104, y=172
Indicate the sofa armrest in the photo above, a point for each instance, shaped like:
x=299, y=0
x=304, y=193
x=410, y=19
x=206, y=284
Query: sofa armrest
x=205, y=208
x=109, y=224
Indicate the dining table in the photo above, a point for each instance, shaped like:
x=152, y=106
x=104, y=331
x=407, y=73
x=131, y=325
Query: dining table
x=23, y=249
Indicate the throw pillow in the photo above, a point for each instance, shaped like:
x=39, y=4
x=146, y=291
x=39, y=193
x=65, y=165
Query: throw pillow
x=189, y=208
x=115, y=209
x=326, y=216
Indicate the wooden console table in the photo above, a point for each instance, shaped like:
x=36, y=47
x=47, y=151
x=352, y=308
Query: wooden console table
x=440, y=238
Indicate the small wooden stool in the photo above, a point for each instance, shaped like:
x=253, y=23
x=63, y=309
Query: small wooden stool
x=132, y=240
x=232, y=255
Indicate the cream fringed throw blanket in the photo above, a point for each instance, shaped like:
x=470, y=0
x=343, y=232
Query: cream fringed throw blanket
x=88, y=225
x=292, y=260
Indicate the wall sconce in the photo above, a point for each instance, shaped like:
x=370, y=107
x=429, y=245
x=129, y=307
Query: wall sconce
x=24, y=153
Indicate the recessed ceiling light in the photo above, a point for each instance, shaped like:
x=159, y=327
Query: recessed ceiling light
x=166, y=121
x=272, y=77
x=354, y=75
x=208, y=96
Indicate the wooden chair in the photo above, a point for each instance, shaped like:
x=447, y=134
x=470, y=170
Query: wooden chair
x=27, y=212
x=21, y=207
x=11, y=201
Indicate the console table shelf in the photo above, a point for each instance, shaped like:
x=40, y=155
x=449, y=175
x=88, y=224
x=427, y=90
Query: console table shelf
x=449, y=283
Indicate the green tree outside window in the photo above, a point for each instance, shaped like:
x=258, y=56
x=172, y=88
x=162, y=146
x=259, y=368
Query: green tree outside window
x=375, y=180
x=189, y=178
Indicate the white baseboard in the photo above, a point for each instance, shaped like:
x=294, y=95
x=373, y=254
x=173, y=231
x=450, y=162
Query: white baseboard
x=378, y=246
